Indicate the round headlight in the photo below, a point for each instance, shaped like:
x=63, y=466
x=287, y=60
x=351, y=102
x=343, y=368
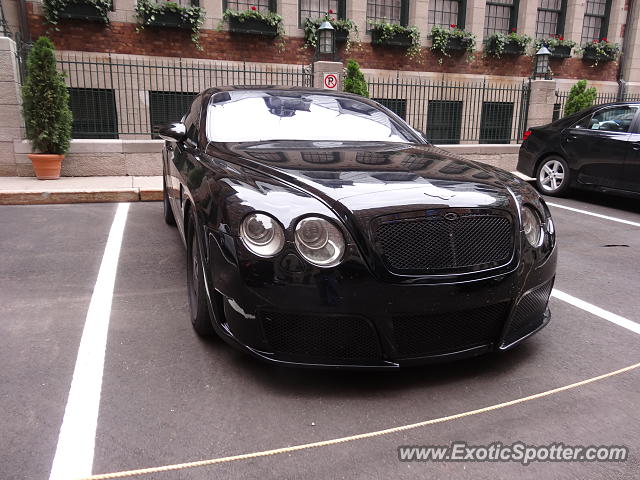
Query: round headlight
x=531, y=226
x=319, y=241
x=262, y=234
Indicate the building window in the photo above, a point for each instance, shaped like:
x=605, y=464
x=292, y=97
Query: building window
x=320, y=157
x=500, y=16
x=168, y=107
x=596, y=20
x=447, y=12
x=550, y=19
x=263, y=6
x=94, y=113
x=317, y=8
x=392, y=11
x=396, y=105
x=444, y=121
x=495, y=122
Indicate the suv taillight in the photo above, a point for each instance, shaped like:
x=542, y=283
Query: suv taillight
x=525, y=135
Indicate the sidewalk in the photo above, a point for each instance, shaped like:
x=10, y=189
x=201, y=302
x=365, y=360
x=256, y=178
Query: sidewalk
x=30, y=191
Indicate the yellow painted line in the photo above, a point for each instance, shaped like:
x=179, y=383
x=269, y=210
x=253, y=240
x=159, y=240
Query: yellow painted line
x=361, y=436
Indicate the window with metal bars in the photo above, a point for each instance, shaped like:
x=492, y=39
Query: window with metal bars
x=495, y=122
x=392, y=11
x=94, y=113
x=596, y=20
x=396, y=105
x=318, y=8
x=263, y=6
x=167, y=107
x=446, y=12
x=320, y=157
x=500, y=16
x=551, y=15
x=444, y=121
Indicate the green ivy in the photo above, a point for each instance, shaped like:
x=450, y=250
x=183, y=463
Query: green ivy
x=603, y=51
x=552, y=42
x=339, y=24
x=496, y=43
x=53, y=8
x=147, y=11
x=388, y=30
x=270, y=18
x=440, y=38
x=45, y=101
x=354, y=81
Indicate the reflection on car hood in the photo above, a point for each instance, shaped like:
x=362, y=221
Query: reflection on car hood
x=358, y=174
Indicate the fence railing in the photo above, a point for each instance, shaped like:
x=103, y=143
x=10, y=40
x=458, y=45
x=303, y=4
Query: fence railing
x=602, y=97
x=456, y=112
x=114, y=97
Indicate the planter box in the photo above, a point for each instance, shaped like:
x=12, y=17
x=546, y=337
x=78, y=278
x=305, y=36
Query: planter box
x=591, y=54
x=561, y=52
x=513, y=48
x=342, y=36
x=169, y=20
x=455, y=44
x=252, y=26
x=398, y=40
x=81, y=11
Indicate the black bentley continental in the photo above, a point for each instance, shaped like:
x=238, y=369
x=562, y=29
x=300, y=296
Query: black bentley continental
x=322, y=230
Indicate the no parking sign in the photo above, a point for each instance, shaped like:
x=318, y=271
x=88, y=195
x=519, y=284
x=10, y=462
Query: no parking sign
x=330, y=81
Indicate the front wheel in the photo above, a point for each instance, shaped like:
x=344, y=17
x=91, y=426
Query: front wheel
x=552, y=176
x=199, y=311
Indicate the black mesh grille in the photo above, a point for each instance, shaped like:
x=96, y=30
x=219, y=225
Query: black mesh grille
x=321, y=337
x=421, y=335
x=436, y=245
x=529, y=313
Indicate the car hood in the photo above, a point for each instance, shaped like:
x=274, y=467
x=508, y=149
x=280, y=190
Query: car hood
x=363, y=176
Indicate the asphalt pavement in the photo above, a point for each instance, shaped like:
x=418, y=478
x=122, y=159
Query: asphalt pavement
x=170, y=397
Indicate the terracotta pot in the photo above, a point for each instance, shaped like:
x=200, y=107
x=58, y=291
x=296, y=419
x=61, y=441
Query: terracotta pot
x=46, y=166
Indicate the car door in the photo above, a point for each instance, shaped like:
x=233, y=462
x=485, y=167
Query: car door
x=597, y=147
x=632, y=165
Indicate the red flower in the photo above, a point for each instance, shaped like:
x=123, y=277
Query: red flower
x=253, y=8
x=513, y=30
x=561, y=38
x=330, y=11
x=595, y=41
x=453, y=25
x=604, y=40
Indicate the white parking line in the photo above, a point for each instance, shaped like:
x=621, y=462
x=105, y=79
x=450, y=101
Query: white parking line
x=76, y=442
x=588, y=307
x=599, y=215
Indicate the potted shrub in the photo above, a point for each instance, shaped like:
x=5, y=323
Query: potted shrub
x=445, y=41
x=46, y=112
x=343, y=28
x=170, y=15
x=88, y=10
x=557, y=45
x=392, y=34
x=512, y=43
x=254, y=22
x=354, y=81
x=600, y=51
x=579, y=98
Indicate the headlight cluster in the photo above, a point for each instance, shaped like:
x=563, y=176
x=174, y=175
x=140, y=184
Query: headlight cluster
x=317, y=240
x=532, y=226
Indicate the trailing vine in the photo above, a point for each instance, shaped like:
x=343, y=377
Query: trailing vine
x=497, y=42
x=339, y=24
x=441, y=41
x=147, y=11
x=388, y=30
x=600, y=51
x=53, y=8
x=270, y=18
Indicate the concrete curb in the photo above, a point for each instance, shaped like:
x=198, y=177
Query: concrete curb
x=21, y=197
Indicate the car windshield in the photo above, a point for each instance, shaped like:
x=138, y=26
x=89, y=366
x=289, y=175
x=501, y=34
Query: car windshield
x=250, y=116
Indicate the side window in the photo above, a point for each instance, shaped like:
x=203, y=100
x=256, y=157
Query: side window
x=614, y=119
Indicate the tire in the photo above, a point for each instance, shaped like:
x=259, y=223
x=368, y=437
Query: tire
x=553, y=176
x=169, y=219
x=198, y=308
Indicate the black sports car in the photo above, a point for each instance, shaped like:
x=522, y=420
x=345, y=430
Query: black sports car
x=322, y=230
x=597, y=148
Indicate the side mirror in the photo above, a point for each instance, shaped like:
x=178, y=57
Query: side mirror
x=174, y=132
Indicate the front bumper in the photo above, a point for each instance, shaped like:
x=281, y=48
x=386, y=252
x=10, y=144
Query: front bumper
x=344, y=317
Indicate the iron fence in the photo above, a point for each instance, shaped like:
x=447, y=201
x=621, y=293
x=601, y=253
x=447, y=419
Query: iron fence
x=450, y=112
x=601, y=98
x=115, y=97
